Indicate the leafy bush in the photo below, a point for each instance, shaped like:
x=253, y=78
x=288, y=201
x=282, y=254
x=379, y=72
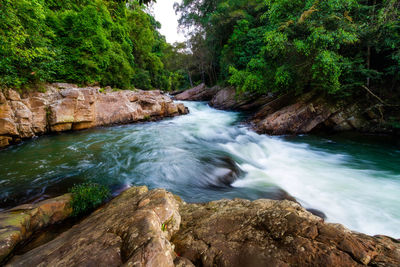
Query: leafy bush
x=87, y=196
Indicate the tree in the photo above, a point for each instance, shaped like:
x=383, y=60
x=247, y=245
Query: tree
x=87, y=41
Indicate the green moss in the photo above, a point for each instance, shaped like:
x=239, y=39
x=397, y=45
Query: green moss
x=87, y=196
x=14, y=219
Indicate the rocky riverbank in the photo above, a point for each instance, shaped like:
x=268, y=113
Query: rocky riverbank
x=290, y=114
x=156, y=228
x=65, y=107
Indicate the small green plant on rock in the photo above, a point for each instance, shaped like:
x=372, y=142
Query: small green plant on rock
x=87, y=196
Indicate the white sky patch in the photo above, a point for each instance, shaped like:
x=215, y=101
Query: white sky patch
x=164, y=12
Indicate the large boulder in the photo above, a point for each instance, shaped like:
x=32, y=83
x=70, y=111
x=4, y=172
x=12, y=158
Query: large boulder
x=290, y=114
x=132, y=230
x=273, y=233
x=228, y=98
x=300, y=117
x=198, y=93
x=19, y=223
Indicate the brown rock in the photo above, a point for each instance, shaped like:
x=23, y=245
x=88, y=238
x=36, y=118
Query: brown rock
x=6, y=111
x=66, y=107
x=63, y=85
x=172, y=109
x=304, y=115
x=40, y=111
x=131, y=230
x=12, y=95
x=2, y=98
x=273, y=233
x=23, y=119
x=114, y=108
x=18, y=224
x=227, y=98
x=183, y=262
x=62, y=111
x=224, y=99
x=5, y=141
x=182, y=109
x=198, y=93
x=8, y=127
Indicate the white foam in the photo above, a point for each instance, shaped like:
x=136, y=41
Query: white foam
x=364, y=200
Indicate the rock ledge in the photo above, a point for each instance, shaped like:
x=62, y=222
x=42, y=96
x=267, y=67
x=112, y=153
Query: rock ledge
x=155, y=228
x=66, y=107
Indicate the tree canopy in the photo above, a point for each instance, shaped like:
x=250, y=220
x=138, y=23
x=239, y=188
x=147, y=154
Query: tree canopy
x=337, y=47
x=109, y=42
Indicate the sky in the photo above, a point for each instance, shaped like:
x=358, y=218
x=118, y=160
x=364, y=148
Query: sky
x=164, y=12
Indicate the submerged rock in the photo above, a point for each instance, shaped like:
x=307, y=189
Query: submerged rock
x=19, y=223
x=66, y=107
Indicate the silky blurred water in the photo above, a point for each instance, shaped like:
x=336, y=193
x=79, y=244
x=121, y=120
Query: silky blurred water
x=209, y=155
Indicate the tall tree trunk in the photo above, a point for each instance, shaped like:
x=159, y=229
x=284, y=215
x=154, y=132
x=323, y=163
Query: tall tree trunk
x=368, y=63
x=190, y=78
x=369, y=45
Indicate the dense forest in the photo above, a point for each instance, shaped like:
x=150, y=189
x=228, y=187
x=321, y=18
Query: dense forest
x=345, y=47
x=108, y=42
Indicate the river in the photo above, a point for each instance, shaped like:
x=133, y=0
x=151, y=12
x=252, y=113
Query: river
x=208, y=155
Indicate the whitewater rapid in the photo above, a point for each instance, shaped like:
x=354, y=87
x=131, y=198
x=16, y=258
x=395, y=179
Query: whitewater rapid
x=199, y=155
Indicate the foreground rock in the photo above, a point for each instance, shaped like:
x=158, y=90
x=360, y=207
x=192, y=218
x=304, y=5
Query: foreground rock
x=66, y=107
x=274, y=233
x=132, y=230
x=155, y=228
x=19, y=223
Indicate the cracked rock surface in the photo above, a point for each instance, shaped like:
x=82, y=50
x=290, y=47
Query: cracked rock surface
x=274, y=233
x=155, y=228
x=132, y=230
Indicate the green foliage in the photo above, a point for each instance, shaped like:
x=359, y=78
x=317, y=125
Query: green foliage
x=87, y=196
x=333, y=46
x=113, y=43
x=142, y=79
x=394, y=122
x=24, y=40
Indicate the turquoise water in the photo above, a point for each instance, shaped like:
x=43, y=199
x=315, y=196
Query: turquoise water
x=208, y=155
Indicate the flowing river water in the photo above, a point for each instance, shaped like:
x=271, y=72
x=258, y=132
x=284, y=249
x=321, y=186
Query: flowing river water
x=208, y=155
